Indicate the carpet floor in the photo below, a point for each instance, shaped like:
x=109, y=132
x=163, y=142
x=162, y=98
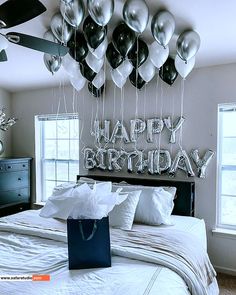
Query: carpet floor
x=227, y=284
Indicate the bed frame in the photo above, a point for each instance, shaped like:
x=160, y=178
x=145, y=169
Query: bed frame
x=184, y=202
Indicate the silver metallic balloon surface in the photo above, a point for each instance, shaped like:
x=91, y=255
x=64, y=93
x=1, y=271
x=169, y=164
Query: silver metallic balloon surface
x=89, y=159
x=52, y=63
x=202, y=163
x=130, y=160
x=173, y=127
x=181, y=161
x=154, y=126
x=101, y=159
x=188, y=44
x=113, y=158
x=162, y=161
x=60, y=28
x=101, y=11
x=73, y=12
x=137, y=126
x=101, y=132
x=136, y=15
x=147, y=163
x=163, y=27
x=119, y=132
x=50, y=36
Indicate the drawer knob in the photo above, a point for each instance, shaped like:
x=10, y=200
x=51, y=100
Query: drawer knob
x=23, y=165
x=9, y=167
x=19, y=195
x=19, y=179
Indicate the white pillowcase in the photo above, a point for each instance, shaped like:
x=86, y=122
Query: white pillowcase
x=155, y=207
x=122, y=216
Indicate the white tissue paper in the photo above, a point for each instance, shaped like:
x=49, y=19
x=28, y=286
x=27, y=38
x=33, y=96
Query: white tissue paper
x=82, y=202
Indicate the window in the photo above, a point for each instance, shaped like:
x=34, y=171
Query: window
x=227, y=166
x=57, y=152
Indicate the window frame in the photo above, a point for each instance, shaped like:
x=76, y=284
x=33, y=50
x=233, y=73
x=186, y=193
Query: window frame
x=39, y=151
x=219, y=223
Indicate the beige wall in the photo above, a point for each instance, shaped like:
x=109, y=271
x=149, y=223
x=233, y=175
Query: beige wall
x=204, y=89
x=5, y=136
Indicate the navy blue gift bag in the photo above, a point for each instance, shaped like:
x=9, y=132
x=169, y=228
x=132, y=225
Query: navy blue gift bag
x=88, y=243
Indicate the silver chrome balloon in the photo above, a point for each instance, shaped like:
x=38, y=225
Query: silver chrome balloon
x=119, y=132
x=188, y=44
x=202, y=163
x=181, y=161
x=136, y=15
x=154, y=126
x=113, y=157
x=143, y=163
x=130, y=160
x=163, y=27
x=60, y=28
x=100, y=132
x=72, y=11
x=89, y=159
x=173, y=127
x=52, y=63
x=48, y=35
x=137, y=126
x=101, y=160
x=101, y=11
x=162, y=161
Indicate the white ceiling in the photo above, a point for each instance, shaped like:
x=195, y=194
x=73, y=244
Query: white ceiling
x=215, y=21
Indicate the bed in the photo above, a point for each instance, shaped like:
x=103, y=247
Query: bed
x=30, y=244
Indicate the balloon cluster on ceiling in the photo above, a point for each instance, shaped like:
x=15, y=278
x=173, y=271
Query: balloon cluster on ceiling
x=127, y=53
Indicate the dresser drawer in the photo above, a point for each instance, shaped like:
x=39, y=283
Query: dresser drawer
x=16, y=196
x=16, y=166
x=14, y=180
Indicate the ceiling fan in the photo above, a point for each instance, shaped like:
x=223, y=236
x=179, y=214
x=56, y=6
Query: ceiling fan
x=16, y=12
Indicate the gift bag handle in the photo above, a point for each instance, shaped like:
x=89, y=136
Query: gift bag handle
x=92, y=233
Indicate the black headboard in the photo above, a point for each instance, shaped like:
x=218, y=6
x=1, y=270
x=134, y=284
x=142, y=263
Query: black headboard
x=184, y=203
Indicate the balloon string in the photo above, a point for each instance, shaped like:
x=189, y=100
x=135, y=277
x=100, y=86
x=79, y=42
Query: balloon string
x=156, y=106
x=92, y=118
x=172, y=118
x=136, y=92
x=181, y=115
x=114, y=108
x=161, y=115
x=144, y=109
x=104, y=92
x=122, y=116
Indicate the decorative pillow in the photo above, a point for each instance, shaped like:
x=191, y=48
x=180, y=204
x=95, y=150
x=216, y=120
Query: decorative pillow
x=122, y=216
x=155, y=207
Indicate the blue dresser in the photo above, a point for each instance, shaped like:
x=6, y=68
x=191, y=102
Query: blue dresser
x=15, y=188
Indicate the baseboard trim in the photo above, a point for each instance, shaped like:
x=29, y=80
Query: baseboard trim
x=226, y=270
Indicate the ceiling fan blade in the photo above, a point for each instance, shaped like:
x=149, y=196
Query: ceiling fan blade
x=37, y=44
x=15, y=12
x=3, y=56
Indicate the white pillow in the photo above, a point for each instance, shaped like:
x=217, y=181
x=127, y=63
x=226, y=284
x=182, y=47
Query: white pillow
x=122, y=216
x=155, y=207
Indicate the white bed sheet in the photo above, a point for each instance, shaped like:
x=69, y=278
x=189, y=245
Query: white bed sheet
x=27, y=254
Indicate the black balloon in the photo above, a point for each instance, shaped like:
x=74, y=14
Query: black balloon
x=78, y=46
x=95, y=92
x=168, y=72
x=136, y=79
x=113, y=56
x=123, y=39
x=94, y=33
x=87, y=72
x=139, y=53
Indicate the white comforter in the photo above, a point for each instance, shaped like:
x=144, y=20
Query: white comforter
x=30, y=244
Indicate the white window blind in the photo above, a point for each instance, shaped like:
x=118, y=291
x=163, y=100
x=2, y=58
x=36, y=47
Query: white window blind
x=227, y=166
x=57, y=152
